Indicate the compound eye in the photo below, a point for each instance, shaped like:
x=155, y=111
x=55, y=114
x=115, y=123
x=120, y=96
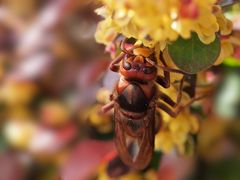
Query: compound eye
x=126, y=65
x=148, y=70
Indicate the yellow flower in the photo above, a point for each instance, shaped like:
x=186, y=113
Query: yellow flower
x=15, y=93
x=150, y=175
x=154, y=22
x=99, y=120
x=105, y=33
x=225, y=25
x=54, y=113
x=226, y=51
x=103, y=95
x=132, y=176
x=174, y=132
x=102, y=174
x=18, y=133
x=164, y=141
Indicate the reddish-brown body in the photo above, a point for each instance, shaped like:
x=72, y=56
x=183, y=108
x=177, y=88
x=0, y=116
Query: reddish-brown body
x=134, y=109
x=135, y=101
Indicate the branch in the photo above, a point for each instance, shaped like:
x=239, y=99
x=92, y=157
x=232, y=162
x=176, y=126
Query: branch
x=227, y=3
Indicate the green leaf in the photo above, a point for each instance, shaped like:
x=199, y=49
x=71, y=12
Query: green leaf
x=193, y=56
x=232, y=62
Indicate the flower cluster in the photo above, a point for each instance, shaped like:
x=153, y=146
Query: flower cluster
x=175, y=132
x=154, y=22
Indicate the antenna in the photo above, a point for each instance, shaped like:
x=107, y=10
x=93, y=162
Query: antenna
x=166, y=68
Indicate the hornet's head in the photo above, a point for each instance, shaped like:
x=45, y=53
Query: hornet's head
x=137, y=65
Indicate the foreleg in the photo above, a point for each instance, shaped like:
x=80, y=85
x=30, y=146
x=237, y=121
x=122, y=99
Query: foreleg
x=114, y=65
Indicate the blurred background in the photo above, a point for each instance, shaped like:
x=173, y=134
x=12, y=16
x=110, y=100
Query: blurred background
x=54, y=78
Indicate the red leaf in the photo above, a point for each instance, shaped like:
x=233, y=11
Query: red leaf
x=237, y=52
x=10, y=167
x=174, y=167
x=48, y=141
x=85, y=158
